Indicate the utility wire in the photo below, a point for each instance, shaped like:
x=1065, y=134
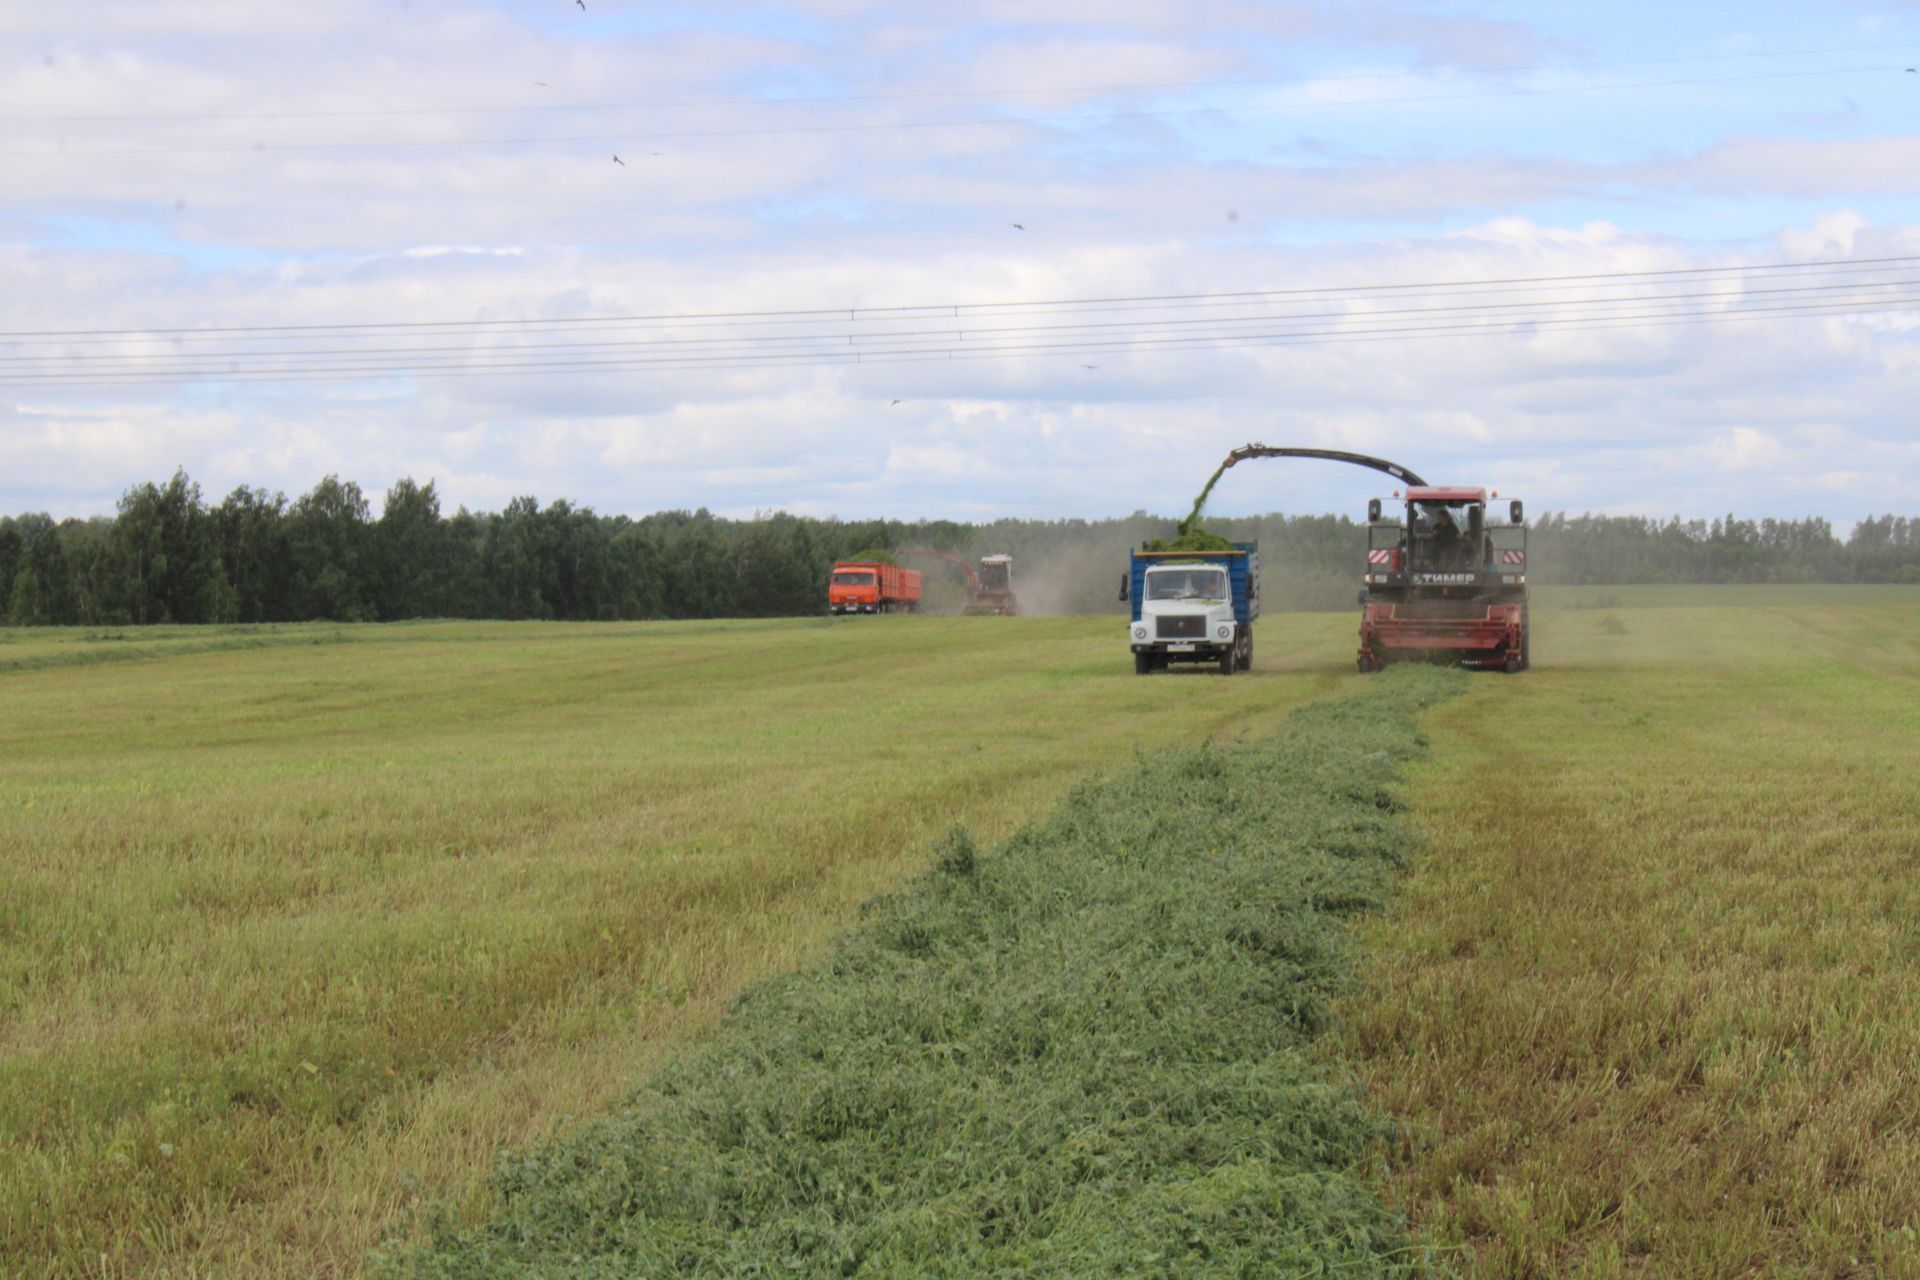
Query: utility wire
x=1103, y=344
x=974, y=309
x=1223, y=323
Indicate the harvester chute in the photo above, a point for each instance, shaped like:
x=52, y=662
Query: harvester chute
x=1393, y=469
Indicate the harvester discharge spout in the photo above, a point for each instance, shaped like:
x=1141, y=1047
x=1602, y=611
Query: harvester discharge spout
x=1394, y=469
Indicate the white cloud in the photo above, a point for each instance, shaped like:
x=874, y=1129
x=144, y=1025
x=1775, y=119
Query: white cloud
x=735, y=215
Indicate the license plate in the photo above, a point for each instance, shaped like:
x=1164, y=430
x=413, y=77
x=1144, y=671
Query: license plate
x=1179, y=648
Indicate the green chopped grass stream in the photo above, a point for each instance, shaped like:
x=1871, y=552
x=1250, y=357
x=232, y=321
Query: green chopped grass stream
x=1086, y=1052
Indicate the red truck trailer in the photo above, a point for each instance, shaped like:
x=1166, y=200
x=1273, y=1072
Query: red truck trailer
x=872, y=586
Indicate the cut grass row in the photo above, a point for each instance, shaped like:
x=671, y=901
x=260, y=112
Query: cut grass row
x=297, y=936
x=1647, y=1004
x=1083, y=1054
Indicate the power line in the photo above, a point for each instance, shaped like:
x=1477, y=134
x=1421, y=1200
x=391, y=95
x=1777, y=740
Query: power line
x=1222, y=323
x=974, y=309
x=682, y=362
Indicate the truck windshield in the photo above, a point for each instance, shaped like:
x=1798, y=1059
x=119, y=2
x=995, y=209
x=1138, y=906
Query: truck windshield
x=1187, y=584
x=852, y=579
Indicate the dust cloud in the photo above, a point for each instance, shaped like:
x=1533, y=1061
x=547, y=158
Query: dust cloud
x=1080, y=581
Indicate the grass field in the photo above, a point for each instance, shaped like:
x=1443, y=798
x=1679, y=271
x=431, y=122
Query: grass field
x=1087, y=1052
x=1647, y=1004
x=303, y=924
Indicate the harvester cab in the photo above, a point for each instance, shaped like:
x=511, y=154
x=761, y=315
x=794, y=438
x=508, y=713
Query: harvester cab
x=1444, y=582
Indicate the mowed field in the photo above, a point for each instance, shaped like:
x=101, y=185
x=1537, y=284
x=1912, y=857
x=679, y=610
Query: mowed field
x=302, y=925
x=1650, y=1002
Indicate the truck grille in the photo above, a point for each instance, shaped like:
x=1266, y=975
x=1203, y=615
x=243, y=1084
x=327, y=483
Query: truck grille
x=1190, y=627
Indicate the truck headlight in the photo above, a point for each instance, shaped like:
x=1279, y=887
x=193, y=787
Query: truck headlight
x=1224, y=632
x=1139, y=633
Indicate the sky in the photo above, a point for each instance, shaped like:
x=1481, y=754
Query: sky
x=1034, y=258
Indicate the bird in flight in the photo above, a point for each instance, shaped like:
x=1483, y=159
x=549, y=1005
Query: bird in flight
x=891, y=405
x=617, y=160
x=1016, y=226
x=1089, y=366
x=582, y=4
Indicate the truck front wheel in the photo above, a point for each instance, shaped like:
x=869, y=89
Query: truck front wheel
x=1142, y=664
x=1229, y=659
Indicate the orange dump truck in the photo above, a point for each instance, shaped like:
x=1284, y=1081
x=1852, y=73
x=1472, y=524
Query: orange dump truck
x=872, y=586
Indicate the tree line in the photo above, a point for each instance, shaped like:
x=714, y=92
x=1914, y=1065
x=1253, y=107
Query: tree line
x=168, y=556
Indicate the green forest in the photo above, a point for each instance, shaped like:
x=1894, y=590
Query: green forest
x=169, y=556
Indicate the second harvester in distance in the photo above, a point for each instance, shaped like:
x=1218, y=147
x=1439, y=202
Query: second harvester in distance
x=989, y=591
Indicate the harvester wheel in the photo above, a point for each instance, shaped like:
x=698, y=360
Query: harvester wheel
x=1512, y=666
x=1526, y=641
x=1142, y=664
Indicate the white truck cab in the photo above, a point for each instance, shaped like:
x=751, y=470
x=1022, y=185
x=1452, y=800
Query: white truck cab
x=1185, y=610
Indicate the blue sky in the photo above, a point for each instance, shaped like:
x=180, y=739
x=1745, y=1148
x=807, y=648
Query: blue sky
x=176, y=167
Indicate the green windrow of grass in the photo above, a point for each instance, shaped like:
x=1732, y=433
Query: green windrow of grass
x=1085, y=1053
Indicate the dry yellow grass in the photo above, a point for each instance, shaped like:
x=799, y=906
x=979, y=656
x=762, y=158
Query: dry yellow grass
x=1648, y=1004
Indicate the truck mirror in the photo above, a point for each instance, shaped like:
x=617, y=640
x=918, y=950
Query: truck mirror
x=1125, y=584
x=1373, y=511
x=1514, y=511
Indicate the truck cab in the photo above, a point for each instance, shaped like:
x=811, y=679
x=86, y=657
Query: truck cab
x=1193, y=607
x=853, y=590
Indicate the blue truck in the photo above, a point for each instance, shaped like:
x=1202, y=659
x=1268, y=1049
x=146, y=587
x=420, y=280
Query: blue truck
x=1193, y=606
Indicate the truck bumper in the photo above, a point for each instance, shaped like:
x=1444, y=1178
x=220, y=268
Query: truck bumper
x=1195, y=651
